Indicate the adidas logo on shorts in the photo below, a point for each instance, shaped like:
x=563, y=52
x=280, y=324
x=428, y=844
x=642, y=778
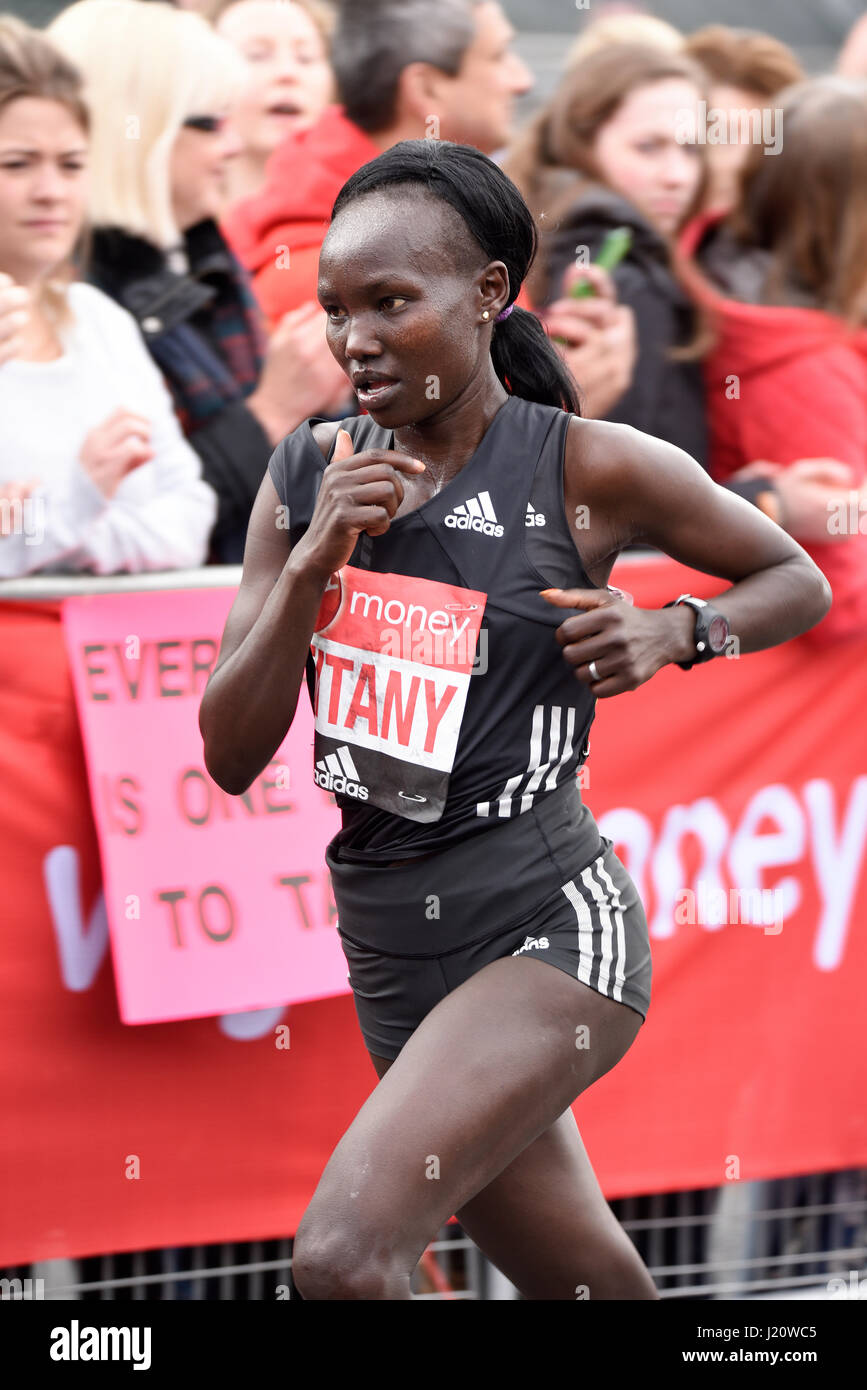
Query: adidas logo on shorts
x=532, y=944
x=533, y=517
x=336, y=772
x=476, y=514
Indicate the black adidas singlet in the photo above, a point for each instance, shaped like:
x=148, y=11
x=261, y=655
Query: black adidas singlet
x=441, y=698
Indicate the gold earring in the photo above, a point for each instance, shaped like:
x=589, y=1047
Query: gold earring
x=486, y=314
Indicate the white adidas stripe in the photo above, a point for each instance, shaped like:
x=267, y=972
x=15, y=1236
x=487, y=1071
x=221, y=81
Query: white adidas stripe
x=480, y=505
x=620, y=959
x=536, y=769
x=567, y=747
x=585, y=932
x=340, y=764
x=607, y=940
x=608, y=898
x=348, y=765
x=534, y=764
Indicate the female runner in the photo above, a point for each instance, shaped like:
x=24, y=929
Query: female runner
x=452, y=702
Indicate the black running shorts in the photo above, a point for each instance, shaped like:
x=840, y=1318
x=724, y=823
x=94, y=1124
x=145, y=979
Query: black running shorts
x=544, y=885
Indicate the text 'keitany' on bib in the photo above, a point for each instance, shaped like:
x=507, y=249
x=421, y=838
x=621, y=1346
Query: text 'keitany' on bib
x=393, y=657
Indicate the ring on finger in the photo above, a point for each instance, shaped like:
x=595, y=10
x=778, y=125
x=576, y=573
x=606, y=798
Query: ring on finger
x=594, y=672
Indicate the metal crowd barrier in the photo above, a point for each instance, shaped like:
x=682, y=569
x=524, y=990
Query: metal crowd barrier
x=35, y=587
x=789, y=1238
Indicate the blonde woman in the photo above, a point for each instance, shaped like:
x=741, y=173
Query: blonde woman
x=95, y=474
x=161, y=85
x=644, y=29
x=289, y=82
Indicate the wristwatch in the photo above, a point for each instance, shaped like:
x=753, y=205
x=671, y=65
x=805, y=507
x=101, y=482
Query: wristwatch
x=712, y=630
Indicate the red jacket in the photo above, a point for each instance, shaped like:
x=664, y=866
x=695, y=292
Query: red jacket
x=278, y=233
x=801, y=383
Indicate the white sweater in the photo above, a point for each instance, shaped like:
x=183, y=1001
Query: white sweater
x=162, y=512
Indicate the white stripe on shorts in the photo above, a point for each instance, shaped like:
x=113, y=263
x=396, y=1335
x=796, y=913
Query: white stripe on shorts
x=585, y=931
x=613, y=949
x=620, y=959
x=601, y=899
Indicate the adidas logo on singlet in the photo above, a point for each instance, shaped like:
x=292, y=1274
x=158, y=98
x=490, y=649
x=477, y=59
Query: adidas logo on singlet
x=476, y=514
x=336, y=772
x=533, y=518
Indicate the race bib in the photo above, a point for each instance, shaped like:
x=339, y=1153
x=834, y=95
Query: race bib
x=393, y=659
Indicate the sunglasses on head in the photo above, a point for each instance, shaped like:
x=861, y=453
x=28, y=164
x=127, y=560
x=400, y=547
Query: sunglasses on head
x=211, y=124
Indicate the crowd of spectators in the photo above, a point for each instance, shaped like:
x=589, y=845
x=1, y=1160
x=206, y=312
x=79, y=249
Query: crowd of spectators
x=167, y=177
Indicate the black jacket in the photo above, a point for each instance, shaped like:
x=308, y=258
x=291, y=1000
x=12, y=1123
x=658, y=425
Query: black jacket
x=666, y=398
x=205, y=332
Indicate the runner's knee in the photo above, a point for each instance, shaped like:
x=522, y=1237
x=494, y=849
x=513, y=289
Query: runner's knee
x=333, y=1267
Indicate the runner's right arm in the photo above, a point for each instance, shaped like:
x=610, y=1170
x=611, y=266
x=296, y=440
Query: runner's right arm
x=252, y=693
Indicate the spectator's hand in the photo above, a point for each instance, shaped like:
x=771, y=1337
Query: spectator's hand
x=10, y=493
x=14, y=314
x=111, y=450
x=300, y=376
x=599, y=346
x=762, y=468
x=808, y=490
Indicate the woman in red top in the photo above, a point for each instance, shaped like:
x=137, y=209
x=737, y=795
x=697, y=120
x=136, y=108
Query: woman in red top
x=784, y=279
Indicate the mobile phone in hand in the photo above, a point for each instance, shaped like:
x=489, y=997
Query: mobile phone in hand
x=611, y=253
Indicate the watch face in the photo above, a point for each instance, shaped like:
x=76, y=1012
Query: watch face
x=717, y=633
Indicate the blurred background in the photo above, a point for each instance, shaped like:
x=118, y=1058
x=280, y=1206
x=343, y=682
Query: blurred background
x=815, y=31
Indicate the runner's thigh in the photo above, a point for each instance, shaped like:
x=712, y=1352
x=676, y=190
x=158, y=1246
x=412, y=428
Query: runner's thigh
x=488, y=1070
x=545, y=1223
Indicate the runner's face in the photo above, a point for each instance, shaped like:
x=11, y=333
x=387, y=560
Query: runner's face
x=403, y=285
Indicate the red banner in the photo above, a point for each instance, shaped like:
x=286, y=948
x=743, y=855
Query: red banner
x=736, y=795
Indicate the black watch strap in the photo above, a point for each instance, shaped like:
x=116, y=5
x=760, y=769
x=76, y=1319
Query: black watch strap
x=705, y=615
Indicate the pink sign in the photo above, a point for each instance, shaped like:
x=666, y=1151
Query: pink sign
x=216, y=903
